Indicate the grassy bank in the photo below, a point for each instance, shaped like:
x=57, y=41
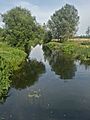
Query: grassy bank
x=78, y=50
x=10, y=60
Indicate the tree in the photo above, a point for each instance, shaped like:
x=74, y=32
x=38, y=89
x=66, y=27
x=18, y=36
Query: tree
x=88, y=32
x=1, y=31
x=20, y=27
x=40, y=31
x=63, y=23
x=47, y=36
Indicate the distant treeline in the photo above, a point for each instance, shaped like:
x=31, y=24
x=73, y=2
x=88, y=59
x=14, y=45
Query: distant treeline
x=83, y=36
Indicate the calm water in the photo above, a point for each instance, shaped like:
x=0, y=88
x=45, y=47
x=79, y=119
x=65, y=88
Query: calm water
x=50, y=86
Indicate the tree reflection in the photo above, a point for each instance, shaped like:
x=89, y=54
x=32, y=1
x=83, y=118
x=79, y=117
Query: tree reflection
x=86, y=64
x=28, y=75
x=61, y=64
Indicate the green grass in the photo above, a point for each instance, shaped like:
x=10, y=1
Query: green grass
x=10, y=60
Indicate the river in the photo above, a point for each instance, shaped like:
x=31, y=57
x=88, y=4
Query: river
x=50, y=86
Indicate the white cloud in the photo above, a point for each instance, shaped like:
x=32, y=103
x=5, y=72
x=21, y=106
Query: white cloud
x=41, y=15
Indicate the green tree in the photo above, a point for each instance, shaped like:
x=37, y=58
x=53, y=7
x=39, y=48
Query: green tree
x=47, y=36
x=40, y=31
x=0, y=34
x=63, y=23
x=20, y=27
x=88, y=32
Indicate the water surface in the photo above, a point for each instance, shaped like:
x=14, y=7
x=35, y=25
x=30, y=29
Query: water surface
x=50, y=86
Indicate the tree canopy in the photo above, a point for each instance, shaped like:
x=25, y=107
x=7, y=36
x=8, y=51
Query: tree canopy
x=63, y=23
x=47, y=37
x=20, y=27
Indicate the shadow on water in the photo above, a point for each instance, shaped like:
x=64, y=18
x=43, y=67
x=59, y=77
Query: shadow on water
x=28, y=74
x=62, y=65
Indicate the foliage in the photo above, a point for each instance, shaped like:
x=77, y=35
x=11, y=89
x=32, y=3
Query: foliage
x=39, y=35
x=63, y=23
x=81, y=52
x=10, y=59
x=88, y=32
x=4, y=76
x=21, y=27
x=76, y=50
x=21, y=30
x=62, y=65
x=53, y=45
x=69, y=47
x=47, y=37
x=1, y=34
x=84, y=53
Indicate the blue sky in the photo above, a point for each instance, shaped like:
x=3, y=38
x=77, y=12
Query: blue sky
x=43, y=9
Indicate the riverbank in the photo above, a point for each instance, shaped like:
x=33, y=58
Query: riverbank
x=77, y=50
x=10, y=60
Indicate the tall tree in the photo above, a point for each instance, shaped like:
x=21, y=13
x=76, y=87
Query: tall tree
x=63, y=23
x=20, y=26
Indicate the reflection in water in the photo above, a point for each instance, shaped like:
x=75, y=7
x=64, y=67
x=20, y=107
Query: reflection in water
x=37, y=54
x=86, y=64
x=50, y=98
x=4, y=98
x=28, y=74
x=61, y=64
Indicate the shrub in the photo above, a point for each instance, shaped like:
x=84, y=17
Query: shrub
x=10, y=59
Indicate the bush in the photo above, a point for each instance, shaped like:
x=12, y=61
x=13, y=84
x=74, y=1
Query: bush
x=4, y=76
x=10, y=59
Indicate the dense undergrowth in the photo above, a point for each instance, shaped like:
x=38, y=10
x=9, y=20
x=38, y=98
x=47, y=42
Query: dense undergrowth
x=10, y=60
x=78, y=50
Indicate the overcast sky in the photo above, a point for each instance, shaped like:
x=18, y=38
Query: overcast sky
x=43, y=9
